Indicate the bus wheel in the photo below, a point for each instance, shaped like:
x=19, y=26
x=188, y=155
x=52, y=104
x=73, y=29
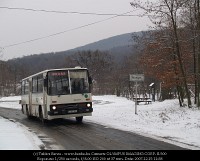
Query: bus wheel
x=27, y=113
x=41, y=117
x=79, y=119
x=22, y=109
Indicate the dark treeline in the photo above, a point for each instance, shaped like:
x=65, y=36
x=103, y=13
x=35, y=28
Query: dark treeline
x=12, y=71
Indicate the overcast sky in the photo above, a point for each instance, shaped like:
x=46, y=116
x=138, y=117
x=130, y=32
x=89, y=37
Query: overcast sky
x=18, y=26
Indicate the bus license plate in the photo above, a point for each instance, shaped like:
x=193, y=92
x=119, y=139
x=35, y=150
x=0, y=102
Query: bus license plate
x=72, y=111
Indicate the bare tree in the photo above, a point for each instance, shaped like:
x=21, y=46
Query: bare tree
x=166, y=16
x=100, y=67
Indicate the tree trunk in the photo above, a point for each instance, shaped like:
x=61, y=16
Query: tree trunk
x=177, y=49
x=193, y=27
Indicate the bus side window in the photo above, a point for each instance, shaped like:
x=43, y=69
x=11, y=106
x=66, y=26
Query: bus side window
x=26, y=88
x=34, y=85
x=23, y=87
x=45, y=82
x=40, y=85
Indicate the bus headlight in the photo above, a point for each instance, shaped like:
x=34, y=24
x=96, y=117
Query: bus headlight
x=54, y=107
x=88, y=105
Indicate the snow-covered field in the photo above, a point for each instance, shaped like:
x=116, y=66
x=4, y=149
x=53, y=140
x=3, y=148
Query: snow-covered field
x=161, y=120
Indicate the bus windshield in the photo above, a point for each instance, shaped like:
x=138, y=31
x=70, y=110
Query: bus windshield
x=62, y=83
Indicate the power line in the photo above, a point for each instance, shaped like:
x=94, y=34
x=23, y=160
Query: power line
x=64, y=12
x=62, y=32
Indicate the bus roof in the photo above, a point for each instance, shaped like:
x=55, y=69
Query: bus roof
x=45, y=71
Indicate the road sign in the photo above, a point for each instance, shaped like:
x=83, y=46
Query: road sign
x=136, y=77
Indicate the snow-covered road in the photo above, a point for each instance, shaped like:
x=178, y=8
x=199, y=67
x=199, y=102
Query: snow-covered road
x=161, y=120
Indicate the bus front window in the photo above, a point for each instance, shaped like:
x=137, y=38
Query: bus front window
x=58, y=83
x=79, y=81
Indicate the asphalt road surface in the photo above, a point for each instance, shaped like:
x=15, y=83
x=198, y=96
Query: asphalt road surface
x=66, y=134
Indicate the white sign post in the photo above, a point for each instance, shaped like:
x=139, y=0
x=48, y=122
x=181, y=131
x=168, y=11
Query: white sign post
x=136, y=78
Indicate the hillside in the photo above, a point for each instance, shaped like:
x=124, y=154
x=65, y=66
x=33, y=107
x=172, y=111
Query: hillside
x=109, y=43
x=118, y=46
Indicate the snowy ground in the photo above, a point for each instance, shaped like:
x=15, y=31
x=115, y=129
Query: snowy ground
x=161, y=120
x=15, y=136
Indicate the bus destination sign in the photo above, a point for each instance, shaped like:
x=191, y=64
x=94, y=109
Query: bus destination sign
x=58, y=73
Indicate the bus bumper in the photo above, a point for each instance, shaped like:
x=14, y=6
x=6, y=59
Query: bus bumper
x=51, y=117
x=67, y=113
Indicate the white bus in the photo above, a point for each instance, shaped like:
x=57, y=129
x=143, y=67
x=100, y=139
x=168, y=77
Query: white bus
x=57, y=93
